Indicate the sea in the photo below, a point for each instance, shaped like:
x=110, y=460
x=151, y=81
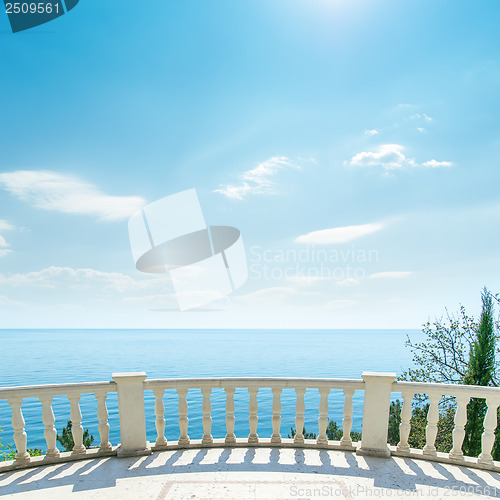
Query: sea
x=32, y=357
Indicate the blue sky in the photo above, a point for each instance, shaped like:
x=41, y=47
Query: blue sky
x=348, y=129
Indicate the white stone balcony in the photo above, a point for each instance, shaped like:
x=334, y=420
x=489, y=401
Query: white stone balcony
x=256, y=466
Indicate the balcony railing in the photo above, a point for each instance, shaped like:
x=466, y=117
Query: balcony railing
x=130, y=387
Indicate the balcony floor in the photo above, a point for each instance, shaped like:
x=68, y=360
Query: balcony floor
x=249, y=473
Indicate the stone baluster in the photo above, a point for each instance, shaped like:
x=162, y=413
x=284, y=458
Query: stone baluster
x=459, y=429
x=432, y=421
x=299, y=415
x=253, y=419
x=206, y=408
x=323, y=415
x=347, y=420
x=161, y=441
x=102, y=417
x=76, y=425
x=183, y=412
x=404, y=426
x=230, y=420
x=488, y=437
x=50, y=432
x=276, y=420
x=20, y=438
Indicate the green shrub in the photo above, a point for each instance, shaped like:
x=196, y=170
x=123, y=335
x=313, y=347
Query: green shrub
x=66, y=438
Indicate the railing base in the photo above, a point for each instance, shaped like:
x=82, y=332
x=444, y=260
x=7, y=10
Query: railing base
x=94, y=453
x=444, y=458
x=65, y=456
x=374, y=452
x=11, y=465
x=262, y=443
x=138, y=452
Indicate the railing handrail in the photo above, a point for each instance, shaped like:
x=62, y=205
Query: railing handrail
x=28, y=391
x=475, y=391
x=264, y=382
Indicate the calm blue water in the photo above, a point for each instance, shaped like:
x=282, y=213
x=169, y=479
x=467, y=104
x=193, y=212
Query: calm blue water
x=43, y=357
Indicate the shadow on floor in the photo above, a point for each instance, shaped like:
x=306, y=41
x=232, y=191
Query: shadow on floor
x=252, y=464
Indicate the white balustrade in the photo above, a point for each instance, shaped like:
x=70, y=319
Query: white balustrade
x=459, y=430
x=76, y=425
x=45, y=394
x=230, y=420
x=323, y=415
x=253, y=437
x=347, y=420
x=183, y=415
x=206, y=408
x=276, y=420
x=432, y=425
x=488, y=437
x=102, y=417
x=20, y=437
x=161, y=441
x=50, y=432
x=299, y=415
x=131, y=387
x=404, y=426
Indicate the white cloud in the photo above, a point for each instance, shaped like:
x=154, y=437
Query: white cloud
x=391, y=274
x=306, y=280
x=5, y=226
x=63, y=193
x=66, y=277
x=310, y=160
x=170, y=302
x=348, y=282
x=54, y=308
x=436, y=164
x=279, y=296
x=3, y=242
x=422, y=116
x=338, y=234
x=233, y=191
x=8, y=303
x=159, y=299
x=371, y=132
x=422, y=130
x=340, y=304
x=4, y=246
x=390, y=157
x=393, y=300
x=258, y=180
